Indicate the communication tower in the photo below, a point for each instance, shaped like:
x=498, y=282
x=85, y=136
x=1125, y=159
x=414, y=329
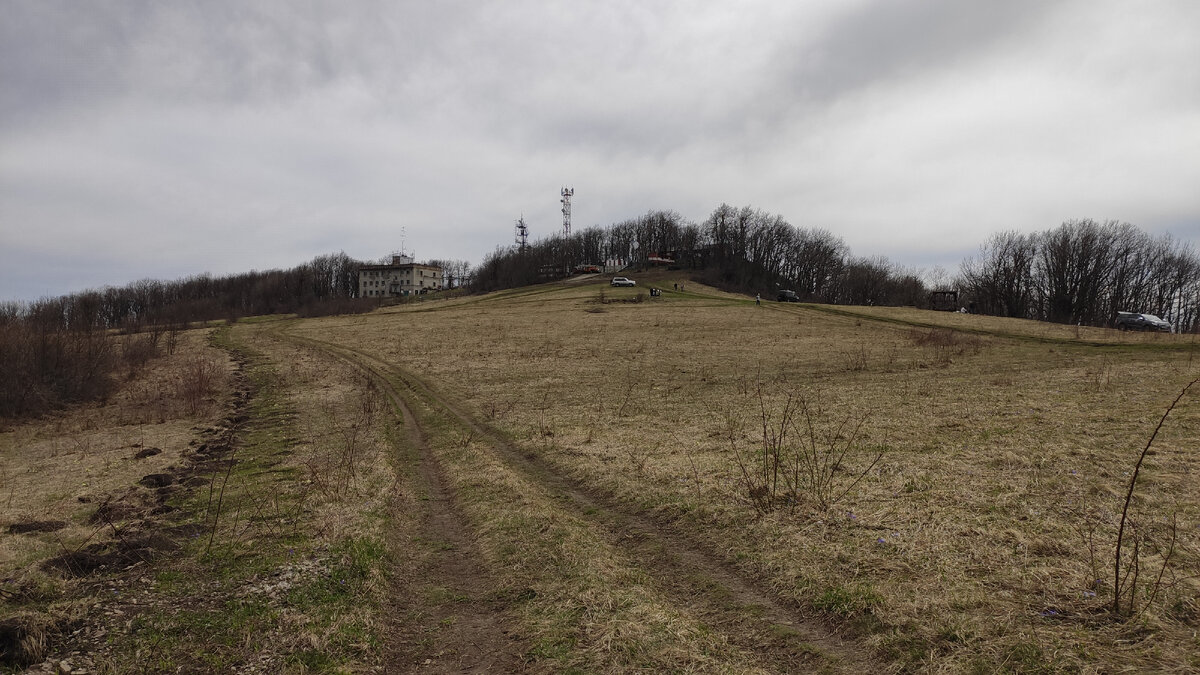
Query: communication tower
x=567, y=193
x=522, y=234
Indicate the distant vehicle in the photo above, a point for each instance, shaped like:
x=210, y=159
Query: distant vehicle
x=788, y=296
x=1135, y=321
x=622, y=281
x=587, y=269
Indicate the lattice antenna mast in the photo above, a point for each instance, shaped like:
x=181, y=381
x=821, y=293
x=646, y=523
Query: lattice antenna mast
x=567, y=193
x=522, y=234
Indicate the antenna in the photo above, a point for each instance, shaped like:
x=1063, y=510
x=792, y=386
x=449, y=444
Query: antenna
x=522, y=234
x=567, y=193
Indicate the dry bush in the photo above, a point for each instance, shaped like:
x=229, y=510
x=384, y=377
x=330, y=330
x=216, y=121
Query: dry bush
x=342, y=444
x=1143, y=541
x=805, y=454
x=945, y=343
x=43, y=369
x=856, y=358
x=138, y=349
x=199, y=378
x=1102, y=375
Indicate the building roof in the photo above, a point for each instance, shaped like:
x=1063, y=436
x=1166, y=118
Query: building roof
x=399, y=267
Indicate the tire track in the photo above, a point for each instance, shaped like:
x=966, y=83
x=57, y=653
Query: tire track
x=778, y=632
x=443, y=619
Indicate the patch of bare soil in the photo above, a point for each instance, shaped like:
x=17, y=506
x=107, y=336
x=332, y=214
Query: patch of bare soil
x=447, y=619
x=28, y=526
x=135, y=527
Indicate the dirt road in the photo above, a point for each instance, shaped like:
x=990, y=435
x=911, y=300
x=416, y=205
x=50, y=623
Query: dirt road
x=464, y=604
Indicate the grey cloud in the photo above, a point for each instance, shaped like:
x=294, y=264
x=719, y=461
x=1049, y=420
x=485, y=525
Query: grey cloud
x=56, y=53
x=881, y=41
x=226, y=135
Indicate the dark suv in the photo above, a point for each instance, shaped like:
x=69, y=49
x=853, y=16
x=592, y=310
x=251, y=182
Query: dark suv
x=1135, y=321
x=788, y=296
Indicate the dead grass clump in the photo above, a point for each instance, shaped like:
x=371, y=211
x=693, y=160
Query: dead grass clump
x=946, y=339
x=127, y=549
x=24, y=639
x=198, y=379
x=855, y=358
x=943, y=344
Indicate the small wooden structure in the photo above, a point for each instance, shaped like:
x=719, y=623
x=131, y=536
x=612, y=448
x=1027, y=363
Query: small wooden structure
x=944, y=301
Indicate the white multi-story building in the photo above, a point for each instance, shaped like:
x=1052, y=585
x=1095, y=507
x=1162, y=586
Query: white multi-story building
x=402, y=277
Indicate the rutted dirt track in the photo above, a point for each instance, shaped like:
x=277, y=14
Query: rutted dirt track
x=441, y=619
x=466, y=628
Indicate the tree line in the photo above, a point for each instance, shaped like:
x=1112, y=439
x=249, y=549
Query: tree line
x=197, y=298
x=58, y=350
x=741, y=249
x=1084, y=272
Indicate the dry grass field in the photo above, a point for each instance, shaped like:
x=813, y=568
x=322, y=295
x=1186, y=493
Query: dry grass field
x=982, y=538
x=577, y=478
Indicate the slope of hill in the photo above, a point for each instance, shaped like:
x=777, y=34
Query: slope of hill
x=585, y=477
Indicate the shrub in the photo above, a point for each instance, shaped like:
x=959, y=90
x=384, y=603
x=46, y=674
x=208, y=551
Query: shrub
x=805, y=454
x=45, y=367
x=198, y=380
x=945, y=342
x=137, y=350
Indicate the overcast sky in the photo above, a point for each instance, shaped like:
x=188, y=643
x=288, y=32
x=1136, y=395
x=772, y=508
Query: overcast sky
x=160, y=139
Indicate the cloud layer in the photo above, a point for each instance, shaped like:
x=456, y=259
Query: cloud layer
x=148, y=139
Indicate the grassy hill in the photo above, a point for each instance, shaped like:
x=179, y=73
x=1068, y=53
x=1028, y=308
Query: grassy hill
x=591, y=478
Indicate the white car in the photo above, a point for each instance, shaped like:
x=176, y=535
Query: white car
x=622, y=281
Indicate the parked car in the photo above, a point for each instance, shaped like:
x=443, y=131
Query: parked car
x=622, y=281
x=788, y=296
x=1135, y=321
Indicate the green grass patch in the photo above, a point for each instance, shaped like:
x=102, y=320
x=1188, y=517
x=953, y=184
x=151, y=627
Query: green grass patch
x=259, y=561
x=355, y=561
x=847, y=602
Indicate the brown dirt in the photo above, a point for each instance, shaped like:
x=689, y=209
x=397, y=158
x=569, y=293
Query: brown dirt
x=446, y=617
x=28, y=526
